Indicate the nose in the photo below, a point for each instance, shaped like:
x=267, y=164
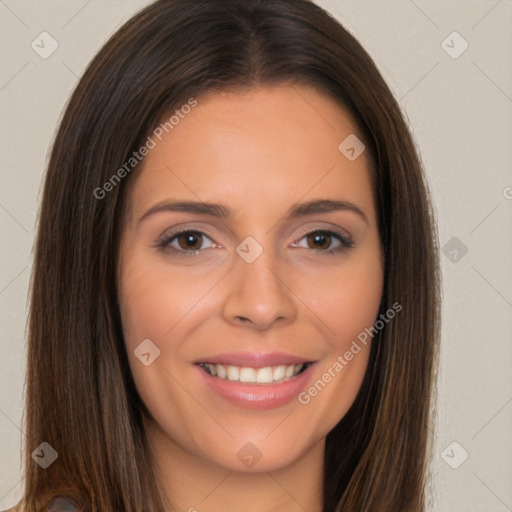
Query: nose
x=258, y=294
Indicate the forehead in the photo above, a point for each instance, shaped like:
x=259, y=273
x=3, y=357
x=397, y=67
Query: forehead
x=268, y=145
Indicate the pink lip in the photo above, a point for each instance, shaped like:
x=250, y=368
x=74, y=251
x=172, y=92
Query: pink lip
x=257, y=396
x=254, y=360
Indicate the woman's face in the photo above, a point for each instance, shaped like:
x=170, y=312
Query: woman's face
x=285, y=270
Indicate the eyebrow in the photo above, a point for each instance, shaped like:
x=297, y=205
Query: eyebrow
x=223, y=212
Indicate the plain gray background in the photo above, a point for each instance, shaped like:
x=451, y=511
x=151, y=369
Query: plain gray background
x=458, y=103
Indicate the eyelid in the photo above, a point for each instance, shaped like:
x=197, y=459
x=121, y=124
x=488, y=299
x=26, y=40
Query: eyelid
x=164, y=241
x=181, y=228
x=345, y=240
x=334, y=230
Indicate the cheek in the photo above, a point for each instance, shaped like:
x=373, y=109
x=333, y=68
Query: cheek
x=347, y=299
x=345, y=310
x=356, y=303
x=165, y=306
x=156, y=303
x=153, y=299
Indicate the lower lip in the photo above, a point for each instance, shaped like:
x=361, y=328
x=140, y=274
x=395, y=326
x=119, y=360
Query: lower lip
x=258, y=396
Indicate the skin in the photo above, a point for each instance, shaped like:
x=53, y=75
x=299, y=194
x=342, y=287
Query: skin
x=258, y=152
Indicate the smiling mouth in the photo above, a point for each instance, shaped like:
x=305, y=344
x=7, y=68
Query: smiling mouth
x=251, y=375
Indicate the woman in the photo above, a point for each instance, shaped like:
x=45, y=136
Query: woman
x=235, y=291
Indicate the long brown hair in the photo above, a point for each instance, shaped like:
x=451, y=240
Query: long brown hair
x=81, y=398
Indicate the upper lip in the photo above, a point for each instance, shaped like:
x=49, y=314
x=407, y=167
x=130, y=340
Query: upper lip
x=254, y=359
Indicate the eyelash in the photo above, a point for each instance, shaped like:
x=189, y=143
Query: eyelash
x=164, y=242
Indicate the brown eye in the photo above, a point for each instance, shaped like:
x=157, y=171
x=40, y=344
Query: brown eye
x=190, y=240
x=325, y=242
x=185, y=243
x=319, y=240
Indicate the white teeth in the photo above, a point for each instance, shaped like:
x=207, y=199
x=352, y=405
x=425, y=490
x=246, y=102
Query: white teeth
x=265, y=375
x=289, y=370
x=279, y=372
x=233, y=373
x=221, y=371
x=245, y=374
